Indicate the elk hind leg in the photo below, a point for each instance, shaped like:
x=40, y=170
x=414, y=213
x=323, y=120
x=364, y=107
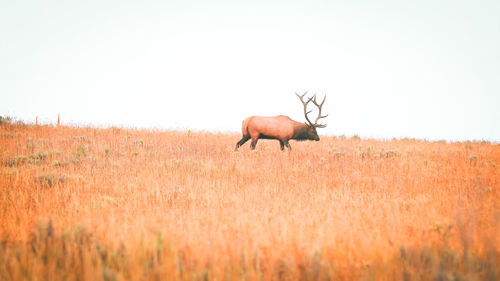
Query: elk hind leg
x=254, y=143
x=243, y=140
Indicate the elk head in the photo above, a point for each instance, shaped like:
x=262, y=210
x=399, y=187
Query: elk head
x=310, y=129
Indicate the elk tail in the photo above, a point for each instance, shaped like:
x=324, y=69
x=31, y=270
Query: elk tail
x=244, y=127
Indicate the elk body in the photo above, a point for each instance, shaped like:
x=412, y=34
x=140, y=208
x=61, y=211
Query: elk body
x=282, y=128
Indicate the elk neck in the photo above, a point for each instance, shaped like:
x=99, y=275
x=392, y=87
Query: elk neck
x=301, y=132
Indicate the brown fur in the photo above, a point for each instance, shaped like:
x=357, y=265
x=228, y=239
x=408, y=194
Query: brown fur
x=280, y=127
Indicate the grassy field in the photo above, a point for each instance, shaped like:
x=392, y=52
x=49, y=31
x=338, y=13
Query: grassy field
x=121, y=204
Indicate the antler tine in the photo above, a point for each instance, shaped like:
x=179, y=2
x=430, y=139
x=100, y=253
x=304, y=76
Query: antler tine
x=302, y=95
x=305, y=106
x=320, y=125
x=319, y=112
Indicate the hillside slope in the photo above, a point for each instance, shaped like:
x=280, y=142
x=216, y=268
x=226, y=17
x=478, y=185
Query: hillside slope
x=119, y=204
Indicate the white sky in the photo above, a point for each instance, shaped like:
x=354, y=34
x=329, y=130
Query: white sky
x=422, y=69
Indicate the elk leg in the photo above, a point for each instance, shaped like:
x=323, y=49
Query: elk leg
x=282, y=145
x=254, y=143
x=243, y=140
x=287, y=144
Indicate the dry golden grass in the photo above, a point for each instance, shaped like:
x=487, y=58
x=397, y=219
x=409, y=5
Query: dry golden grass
x=119, y=204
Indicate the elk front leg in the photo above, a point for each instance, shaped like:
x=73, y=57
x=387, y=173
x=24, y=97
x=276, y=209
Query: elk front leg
x=287, y=144
x=282, y=145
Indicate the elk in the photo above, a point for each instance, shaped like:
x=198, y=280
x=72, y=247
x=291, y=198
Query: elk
x=282, y=128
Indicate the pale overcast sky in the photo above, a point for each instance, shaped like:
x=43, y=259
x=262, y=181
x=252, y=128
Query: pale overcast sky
x=421, y=69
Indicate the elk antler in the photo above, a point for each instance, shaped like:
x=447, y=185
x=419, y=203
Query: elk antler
x=305, y=107
x=313, y=99
x=319, y=113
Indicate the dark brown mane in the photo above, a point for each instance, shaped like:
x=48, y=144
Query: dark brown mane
x=301, y=132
